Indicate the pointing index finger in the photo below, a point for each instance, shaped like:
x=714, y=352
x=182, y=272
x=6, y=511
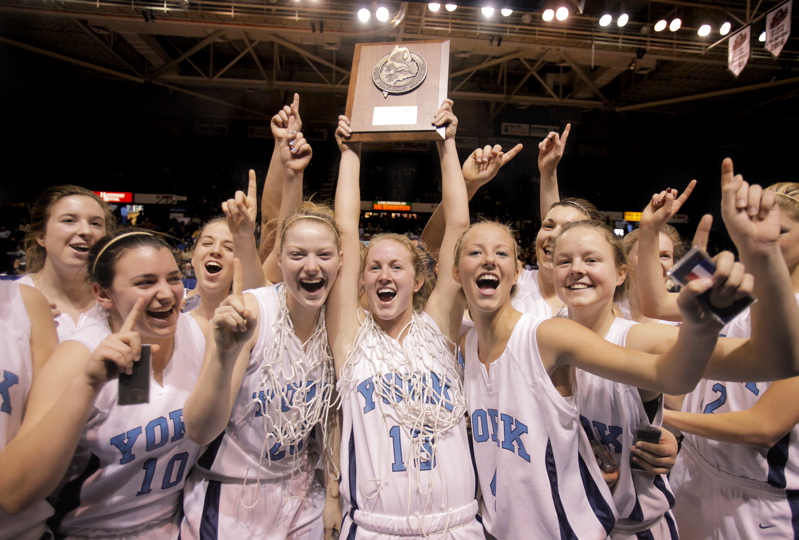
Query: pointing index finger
x=133, y=316
x=252, y=188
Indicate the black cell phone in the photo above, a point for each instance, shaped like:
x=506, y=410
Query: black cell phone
x=695, y=265
x=134, y=389
x=603, y=457
x=645, y=434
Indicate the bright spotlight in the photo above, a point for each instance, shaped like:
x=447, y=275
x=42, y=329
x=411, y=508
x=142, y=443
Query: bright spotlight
x=433, y=7
x=762, y=37
x=382, y=14
x=562, y=13
x=487, y=11
x=364, y=14
x=605, y=19
x=548, y=14
x=622, y=20
x=506, y=12
x=660, y=25
x=451, y=7
x=704, y=30
x=675, y=24
x=725, y=28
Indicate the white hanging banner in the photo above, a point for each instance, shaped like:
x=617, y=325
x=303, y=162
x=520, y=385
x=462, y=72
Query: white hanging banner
x=778, y=28
x=738, y=53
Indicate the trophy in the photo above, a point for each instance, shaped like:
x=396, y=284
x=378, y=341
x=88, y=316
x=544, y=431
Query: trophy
x=396, y=89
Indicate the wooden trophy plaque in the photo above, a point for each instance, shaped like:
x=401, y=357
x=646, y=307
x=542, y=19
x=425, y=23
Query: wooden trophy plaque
x=396, y=89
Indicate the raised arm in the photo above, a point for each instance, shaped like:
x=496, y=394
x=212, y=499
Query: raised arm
x=295, y=155
x=207, y=409
x=753, y=222
x=57, y=410
x=271, y=198
x=241, y=213
x=480, y=167
x=445, y=305
x=550, y=150
x=656, y=301
x=342, y=303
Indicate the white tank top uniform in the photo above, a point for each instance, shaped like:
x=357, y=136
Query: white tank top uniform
x=726, y=490
x=257, y=479
x=527, y=297
x=16, y=377
x=537, y=472
x=406, y=469
x=127, y=475
x=65, y=326
x=611, y=412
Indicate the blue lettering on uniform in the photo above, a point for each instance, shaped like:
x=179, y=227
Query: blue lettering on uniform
x=157, y=432
x=177, y=425
x=367, y=390
x=492, y=413
x=752, y=387
x=509, y=438
x=514, y=435
x=124, y=443
x=479, y=426
x=277, y=452
x=9, y=380
x=287, y=399
x=609, y=435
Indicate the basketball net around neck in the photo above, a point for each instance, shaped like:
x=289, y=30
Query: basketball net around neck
x=420, y=387
x=297, y=391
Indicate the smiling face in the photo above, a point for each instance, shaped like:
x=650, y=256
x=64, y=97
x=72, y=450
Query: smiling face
x=487, y=268
x=390, y=280
x=553, y=223
x=586, y=271
x=310, y=261
x=76, y=222
x=150, y=273
x=666, y=254
x=213, y=258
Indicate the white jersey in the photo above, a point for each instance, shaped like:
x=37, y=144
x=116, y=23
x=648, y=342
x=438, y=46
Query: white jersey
x=65, y=326
x=527, y=297
x=777, y=466
x=537, y=472
x=131, y=462
x=16, y=377
x=249, y=446
x=405, y=462
x=611, y=412
x=257, y=479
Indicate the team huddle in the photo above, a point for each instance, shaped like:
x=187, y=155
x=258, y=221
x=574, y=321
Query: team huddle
x=321, y=386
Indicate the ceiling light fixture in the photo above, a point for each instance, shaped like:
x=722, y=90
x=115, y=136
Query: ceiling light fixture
x=451, y=7
x=364, y=15
x=605, y=19
x=548, y=14
x=562, y=13
x=704, y=30
x=675, y=24
x=725, y=28
x=506, y=12
x=487, y=11
x=762, y=37
x=661, y=25
x=622, y=20
x=382, y=14
x=433, y=6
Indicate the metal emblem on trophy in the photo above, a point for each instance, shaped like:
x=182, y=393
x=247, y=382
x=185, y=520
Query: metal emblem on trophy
x=396, y=89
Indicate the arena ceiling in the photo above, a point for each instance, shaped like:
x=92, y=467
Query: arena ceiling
x=233, y=54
